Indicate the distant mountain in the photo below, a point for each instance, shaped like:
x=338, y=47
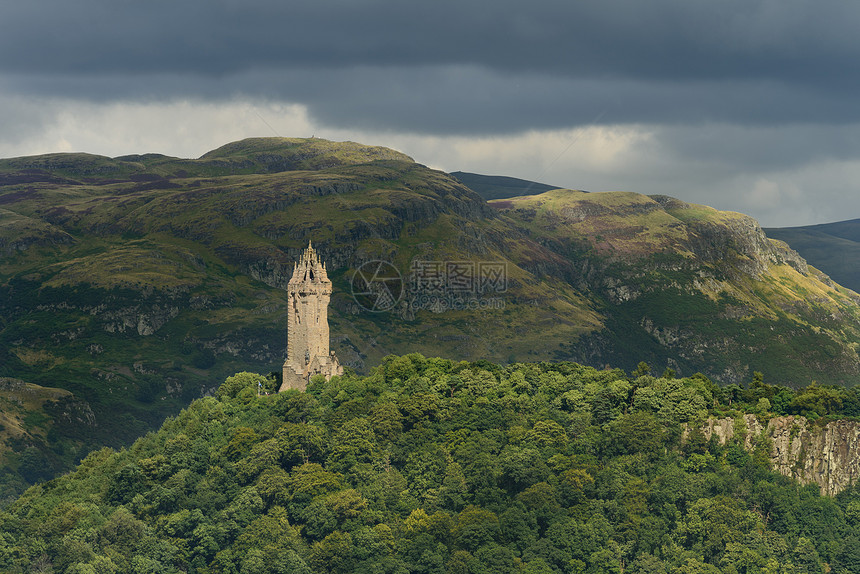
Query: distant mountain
x=139, y=283
x=832, y=247
x=692, y=286
x=500, y=187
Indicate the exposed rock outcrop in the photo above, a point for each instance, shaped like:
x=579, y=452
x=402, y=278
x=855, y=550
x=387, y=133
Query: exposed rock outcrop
x=828, y=456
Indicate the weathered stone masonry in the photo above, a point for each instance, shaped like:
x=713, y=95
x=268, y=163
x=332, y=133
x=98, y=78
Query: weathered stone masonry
x=308, y=295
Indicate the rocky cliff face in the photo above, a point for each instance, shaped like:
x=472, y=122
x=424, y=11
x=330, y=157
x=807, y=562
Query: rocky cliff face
x=828, y=456
x=742, y=243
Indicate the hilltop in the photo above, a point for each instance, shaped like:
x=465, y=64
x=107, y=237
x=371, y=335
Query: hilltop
x=134, y=282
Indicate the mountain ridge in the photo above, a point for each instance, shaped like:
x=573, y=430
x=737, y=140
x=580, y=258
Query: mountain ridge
x=833, y=247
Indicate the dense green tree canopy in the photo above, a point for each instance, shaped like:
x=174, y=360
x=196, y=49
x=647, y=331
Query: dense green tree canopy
x=427, y=465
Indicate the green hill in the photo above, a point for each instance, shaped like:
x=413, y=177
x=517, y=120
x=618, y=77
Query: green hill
x=430, y=465
x=134, y=282
x=695, y=287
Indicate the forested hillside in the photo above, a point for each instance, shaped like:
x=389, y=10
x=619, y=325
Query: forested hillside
x=429, y=465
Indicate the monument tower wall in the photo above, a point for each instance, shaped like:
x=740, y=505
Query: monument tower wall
x=308, y=295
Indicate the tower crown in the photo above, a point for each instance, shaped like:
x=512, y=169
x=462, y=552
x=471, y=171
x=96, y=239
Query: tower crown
x=309, y=269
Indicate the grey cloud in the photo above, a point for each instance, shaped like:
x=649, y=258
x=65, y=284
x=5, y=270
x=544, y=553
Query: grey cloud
x=20, y=117
x=736, y=92
x=666, y=39
x=761, y=148
x=469, y=99
x=451, y=66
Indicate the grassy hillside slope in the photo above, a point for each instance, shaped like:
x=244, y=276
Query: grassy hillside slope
x=134, y=282
x=704, y=287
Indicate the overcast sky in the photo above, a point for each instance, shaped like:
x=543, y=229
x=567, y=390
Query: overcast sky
x=745, y=105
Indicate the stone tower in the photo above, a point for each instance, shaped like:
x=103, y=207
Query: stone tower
x=308, y=294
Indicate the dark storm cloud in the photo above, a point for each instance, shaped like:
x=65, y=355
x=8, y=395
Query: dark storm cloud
x=742, y=104
x=452, y=66
x=646, y=39
x=468, y=99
